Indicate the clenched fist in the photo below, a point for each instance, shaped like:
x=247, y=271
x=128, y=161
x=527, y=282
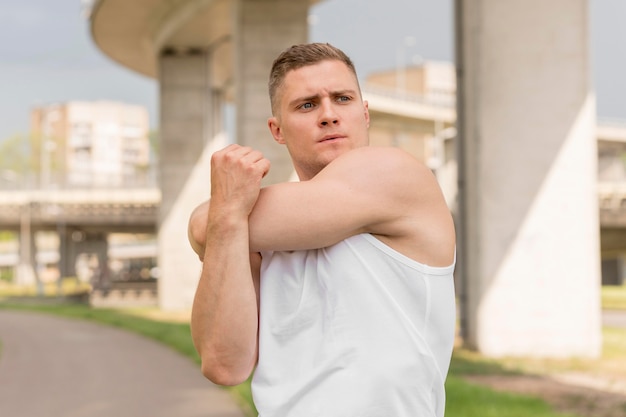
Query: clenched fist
x=236, y=174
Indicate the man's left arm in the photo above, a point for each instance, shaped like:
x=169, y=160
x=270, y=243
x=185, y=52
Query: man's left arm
x=383, y=191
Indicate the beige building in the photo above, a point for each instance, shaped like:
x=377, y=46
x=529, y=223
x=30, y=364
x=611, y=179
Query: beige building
x=432, y=81
x=85, y=144
x=427, y=137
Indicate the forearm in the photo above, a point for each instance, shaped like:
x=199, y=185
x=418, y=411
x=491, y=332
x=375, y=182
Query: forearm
x=224, y=320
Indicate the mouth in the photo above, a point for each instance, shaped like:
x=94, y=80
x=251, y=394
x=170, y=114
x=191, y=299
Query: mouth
x=331, y=138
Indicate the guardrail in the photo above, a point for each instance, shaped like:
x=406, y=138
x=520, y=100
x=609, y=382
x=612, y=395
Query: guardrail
x=612, y=204
x=435, y=100
x=123, y=207
x=60, y=180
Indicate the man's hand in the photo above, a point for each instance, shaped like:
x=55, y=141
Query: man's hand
x=236, y=174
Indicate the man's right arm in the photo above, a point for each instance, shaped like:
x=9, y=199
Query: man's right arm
x=224, y=323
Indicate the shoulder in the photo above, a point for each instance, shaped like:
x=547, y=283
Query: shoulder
x=378, y=162
x=385, y=171
x=411, y=212
x=377, y=156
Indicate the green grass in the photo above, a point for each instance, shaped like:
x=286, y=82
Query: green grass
x=463, y=399
x=611, y=364
x=614, y=297
x=614, y=346
x=467, y=400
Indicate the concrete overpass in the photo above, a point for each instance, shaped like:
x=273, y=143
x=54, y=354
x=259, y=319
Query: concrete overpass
x=81, y=219
x=527, y=220
x=106, y=210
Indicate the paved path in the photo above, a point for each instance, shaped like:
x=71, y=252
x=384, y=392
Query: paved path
x=57, y=367
x=614, y=318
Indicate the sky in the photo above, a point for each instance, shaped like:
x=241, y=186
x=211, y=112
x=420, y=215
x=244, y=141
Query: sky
x=47, y=54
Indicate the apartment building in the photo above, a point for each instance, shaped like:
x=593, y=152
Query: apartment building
x=90, y=144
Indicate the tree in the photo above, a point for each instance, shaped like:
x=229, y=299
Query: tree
x=15, y=153
x=16, y=162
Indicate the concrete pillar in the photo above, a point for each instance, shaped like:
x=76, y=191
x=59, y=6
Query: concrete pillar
x=529, y=235
x=192, y=90
x=27, y=265
x=263, y=29
x=67, y=262
x=98, y=245
x=186, y=142
x=71, y=245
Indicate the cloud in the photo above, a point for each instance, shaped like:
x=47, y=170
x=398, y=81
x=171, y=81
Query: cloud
x=43, y=33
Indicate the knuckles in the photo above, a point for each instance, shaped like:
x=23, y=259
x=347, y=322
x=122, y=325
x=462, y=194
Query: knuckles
x=243, y=158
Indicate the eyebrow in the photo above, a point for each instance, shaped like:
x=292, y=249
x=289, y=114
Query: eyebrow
x=344, y=92
x=294, y=102
x=317, y=96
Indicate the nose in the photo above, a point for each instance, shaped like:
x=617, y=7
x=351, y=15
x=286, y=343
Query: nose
x=328, y=115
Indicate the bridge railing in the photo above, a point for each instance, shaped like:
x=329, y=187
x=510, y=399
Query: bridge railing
x=65, y=180
x=612, y=195
x=435, y=100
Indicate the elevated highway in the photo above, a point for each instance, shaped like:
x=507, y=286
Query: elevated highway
x=107, y=210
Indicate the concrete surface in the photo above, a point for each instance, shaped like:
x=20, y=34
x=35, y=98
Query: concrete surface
x=58, y=367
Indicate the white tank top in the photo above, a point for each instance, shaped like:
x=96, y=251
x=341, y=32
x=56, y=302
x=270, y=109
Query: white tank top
x=353, y=330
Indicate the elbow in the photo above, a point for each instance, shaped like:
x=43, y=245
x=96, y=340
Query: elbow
x=196, y=230
x=224, y=375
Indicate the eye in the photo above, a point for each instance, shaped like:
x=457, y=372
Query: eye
x=343, y=99
x=307, y=106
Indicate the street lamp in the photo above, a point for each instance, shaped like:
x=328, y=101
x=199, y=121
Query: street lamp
x=401, y=66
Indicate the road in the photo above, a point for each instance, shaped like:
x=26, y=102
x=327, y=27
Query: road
x=614, y=318
x=58, y=367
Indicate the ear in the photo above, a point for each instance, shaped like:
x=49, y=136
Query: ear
x=367, y=113
x=274, y=126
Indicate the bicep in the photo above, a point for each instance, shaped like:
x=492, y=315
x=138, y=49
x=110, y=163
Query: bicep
x=307, y=215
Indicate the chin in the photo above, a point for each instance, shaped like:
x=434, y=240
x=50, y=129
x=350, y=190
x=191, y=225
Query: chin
x=329, y=157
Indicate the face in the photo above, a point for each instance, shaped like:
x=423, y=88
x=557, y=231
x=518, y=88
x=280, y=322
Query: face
x=321, y=115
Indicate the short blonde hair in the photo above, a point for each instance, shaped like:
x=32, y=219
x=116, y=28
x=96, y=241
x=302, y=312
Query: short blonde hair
x=299, y=56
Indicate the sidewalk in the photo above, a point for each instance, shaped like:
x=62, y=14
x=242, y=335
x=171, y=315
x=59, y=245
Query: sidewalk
x=56, y=367
x=614, y=318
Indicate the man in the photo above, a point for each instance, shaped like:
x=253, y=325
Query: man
x=338, y=288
